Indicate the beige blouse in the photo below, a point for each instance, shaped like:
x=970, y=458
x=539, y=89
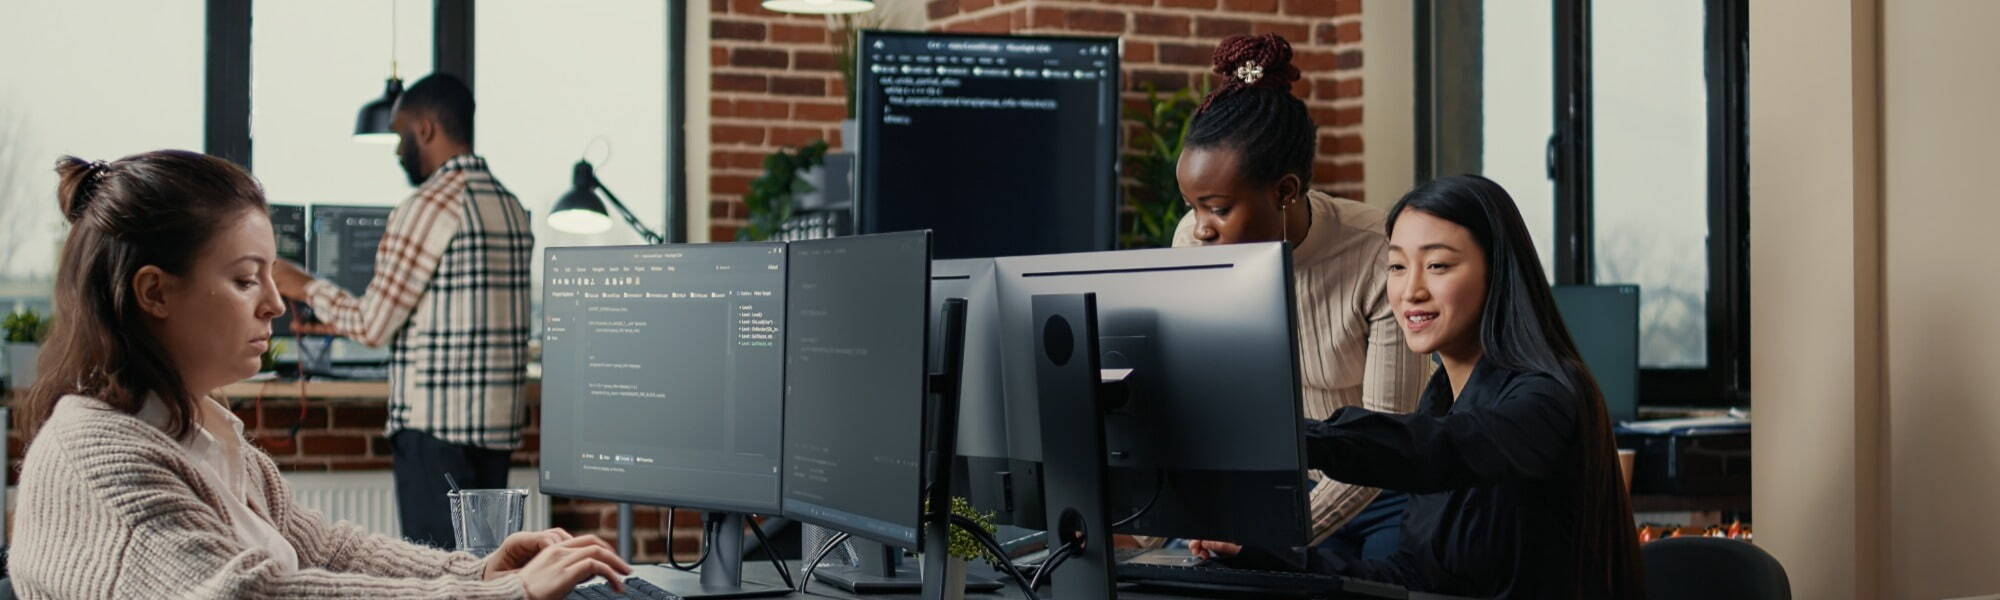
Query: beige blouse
x=1351, y=351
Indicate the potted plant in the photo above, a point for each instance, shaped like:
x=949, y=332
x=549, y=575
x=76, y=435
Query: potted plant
x=963, y=547
x=25, y=331
x=774, y=195
x=1157, y=207
x=269, y=360
x=846, y=35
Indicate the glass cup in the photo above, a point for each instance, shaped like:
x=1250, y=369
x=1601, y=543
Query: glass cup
x=481, y=519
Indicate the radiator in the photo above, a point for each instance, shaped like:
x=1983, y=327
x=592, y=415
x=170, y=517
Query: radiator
x=368, y=498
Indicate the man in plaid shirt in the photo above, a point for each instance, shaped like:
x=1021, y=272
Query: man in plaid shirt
x=450, y=298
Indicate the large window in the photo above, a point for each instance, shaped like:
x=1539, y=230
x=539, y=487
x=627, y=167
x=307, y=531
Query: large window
x=1619, y=129
x=559, y=81
x=1650, y=192
x=1517, y=122
x=94, y=78
x=312, y=66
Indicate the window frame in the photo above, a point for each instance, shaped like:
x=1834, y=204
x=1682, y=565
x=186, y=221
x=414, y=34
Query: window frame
x=1443, y=42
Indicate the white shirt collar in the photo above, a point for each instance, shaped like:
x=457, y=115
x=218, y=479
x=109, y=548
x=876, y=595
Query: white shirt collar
x=154, y=412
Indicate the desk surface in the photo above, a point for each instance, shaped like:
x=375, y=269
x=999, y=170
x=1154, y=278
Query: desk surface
x=321, y=389
x=761, y=570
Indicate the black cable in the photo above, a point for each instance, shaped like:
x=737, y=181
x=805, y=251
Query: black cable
x=999, y=553
x=698, y=559
x=1159, y=483
x=769, y=552
x=806, y=577
x=1056, y=559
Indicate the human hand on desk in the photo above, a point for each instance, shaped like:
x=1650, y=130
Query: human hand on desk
x=1212, y=550
x=555, y=562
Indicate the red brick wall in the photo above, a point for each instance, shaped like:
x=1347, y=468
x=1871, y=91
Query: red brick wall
x=1168, y=43
x=339, y=434
x=775, y=84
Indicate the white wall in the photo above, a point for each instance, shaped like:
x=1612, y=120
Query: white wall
x=1876, y=463
x=1940, y=94
x=1814, y=308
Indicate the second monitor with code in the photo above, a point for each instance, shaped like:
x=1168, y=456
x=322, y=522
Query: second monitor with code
x=662, y=384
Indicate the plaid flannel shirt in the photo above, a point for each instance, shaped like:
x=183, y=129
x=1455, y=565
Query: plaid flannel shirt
x=450, y=297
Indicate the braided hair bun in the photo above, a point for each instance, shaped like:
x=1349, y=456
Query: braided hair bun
x=1254, y=111
x=1262, y=61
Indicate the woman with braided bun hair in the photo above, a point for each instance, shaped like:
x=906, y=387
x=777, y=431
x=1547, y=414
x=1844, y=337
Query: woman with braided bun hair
x=1245, y=173
x=139, y=484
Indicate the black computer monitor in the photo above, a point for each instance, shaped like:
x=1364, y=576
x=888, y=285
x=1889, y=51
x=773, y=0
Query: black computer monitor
x=288, y=225
x=341, y=249
x=1016, y=136
x=1210, y=436
x=1604, y=322
x=855, y=384
x=662, y=383
x=988, y=471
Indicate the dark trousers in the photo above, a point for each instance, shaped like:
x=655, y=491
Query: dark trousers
x=421, y=462
x=1375, y=532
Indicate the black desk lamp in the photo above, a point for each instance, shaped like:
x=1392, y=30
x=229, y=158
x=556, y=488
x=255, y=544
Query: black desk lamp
x=579, y=210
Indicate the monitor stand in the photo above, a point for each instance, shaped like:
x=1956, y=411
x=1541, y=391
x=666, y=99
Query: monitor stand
x=1072, y=393
x=720, y=574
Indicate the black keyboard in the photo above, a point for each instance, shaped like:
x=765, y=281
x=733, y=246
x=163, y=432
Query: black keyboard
x=1217, y=577
x=634, y=588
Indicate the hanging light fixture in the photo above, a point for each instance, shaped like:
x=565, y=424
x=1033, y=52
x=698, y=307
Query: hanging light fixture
x=820, y=7
x=372, y=124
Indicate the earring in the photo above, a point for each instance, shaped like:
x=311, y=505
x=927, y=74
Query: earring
x=1285, y=223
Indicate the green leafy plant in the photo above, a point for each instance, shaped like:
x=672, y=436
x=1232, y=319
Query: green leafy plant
x=962, y=544
x=269, y=360
x=26, y=327
x=774, y=195
x=1157, y=207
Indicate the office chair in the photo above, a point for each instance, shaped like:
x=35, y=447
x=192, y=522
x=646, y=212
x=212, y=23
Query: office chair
x=1712, y=569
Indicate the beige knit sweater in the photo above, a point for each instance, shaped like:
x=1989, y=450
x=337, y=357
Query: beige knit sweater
x=110, y=507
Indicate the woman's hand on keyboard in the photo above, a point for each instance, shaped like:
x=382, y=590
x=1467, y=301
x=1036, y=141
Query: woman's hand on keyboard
x=557, y=569
x=518, y=549
x=1212, y=550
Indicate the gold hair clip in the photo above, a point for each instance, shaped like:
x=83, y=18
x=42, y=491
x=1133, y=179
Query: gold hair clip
x=1250, y=72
